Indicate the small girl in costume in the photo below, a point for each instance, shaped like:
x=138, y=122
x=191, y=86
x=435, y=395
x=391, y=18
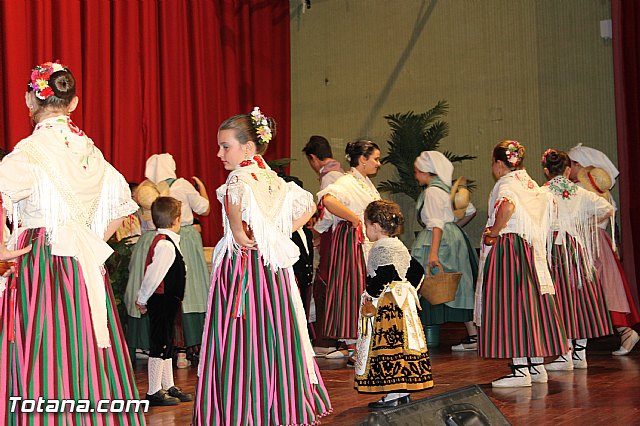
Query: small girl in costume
x=573, y=245
x=256, y=364
x=392, y=354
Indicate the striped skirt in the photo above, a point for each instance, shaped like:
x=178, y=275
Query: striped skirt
x=347, y=280
x=54, y=353
x=517, y=320
x=252, y=366
x=583, y=309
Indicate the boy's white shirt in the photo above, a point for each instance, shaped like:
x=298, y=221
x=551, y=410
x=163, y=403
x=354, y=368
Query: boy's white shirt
x=163, y=257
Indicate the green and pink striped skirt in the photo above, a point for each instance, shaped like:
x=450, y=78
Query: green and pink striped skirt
x=578, y=291
x=48, y=348
x=517, y=320
x=347, y=280
x=252, y=366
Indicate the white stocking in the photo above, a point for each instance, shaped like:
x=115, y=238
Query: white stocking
x=167, y=373
x=155, y=368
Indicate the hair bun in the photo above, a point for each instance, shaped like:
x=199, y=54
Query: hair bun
x=63, y=85
x=272, y=126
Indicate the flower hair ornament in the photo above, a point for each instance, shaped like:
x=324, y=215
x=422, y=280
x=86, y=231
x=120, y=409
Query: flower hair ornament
x=512, y=153
x=40, y=76
x=544, y=156
x=261, y=124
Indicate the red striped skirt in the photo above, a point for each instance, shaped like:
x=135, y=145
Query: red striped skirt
x=517, y=320
x=578, y=292
x=252, y=367
x=54, y=354
x=347, y=280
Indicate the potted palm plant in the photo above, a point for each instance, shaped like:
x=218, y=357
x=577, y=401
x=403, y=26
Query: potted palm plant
x=412, y=133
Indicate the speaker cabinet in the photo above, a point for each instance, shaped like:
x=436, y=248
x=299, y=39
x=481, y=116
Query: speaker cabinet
x=468, y=406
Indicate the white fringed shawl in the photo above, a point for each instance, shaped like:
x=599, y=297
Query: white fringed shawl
x=530, y=220
x=268, y=205
x=577, y=213
x=67, y=187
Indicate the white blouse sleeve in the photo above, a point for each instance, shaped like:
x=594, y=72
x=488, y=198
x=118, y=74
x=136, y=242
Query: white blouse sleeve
x=433, y=212
x=197, y=203
x=16, y=178
x=337, y=190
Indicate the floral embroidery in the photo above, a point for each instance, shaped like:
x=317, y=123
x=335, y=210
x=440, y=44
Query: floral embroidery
x=363, y=184
x=563, y=187
x=257, y=160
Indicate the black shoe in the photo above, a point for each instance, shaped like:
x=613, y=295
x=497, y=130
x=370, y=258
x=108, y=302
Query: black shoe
x=389, y=404
x=176, y=392
x=161, y=399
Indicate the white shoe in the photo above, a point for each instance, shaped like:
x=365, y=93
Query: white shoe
x=337, y=354
x=579, y=356
x=469, y=343
x=562, y=363
x=538, y=373
x=322, y=351
x=182, y=361
x=629, y=340
x=518, y=378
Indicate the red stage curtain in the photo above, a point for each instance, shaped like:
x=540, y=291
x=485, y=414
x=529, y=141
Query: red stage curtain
x=626, y=66
x=153, y=76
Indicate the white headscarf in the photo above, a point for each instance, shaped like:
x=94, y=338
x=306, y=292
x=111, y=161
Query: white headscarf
x=592, y=157
x=160, y=167
x=435, y=162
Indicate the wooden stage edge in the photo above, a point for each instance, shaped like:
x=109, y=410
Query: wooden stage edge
x=607, y=392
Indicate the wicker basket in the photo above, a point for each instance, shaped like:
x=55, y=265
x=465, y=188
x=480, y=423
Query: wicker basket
x=440, y=288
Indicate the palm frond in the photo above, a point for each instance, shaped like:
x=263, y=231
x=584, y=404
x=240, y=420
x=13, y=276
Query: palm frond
x=411, y=134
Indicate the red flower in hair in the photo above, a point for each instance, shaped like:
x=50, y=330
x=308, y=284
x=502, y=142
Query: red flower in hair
x=46, y=92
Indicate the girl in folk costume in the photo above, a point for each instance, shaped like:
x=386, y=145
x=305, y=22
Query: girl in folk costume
x=160, y=171
x=346, y=200
x=256, y=363
x=593, y=170
x=60, y=336
x=392, y=354
x=443, y=244
x=516, y=309
x=573, y=246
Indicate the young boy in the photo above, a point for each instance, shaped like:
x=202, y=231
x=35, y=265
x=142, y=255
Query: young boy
x=161, y=295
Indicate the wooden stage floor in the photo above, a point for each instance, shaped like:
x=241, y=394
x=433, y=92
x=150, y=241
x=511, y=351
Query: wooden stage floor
x=608, y=392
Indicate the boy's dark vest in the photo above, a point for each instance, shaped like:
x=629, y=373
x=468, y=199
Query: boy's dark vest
x=174, y=281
